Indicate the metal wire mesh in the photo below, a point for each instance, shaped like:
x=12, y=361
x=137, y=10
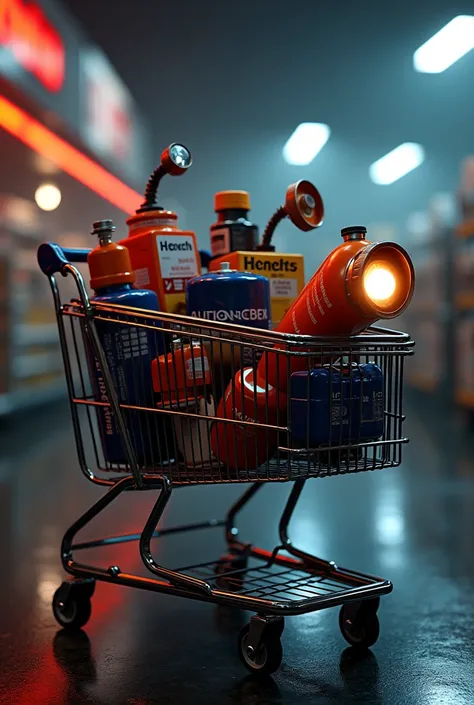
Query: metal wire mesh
x=340, y=412
x=269, y=581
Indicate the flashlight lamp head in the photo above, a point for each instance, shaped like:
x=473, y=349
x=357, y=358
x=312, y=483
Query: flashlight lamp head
x=304, y=205
x=176, y=159
x=380, y=279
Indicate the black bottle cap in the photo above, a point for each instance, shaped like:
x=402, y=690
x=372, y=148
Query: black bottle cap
x=354, y=232
x=146, y=208
x=353, y=229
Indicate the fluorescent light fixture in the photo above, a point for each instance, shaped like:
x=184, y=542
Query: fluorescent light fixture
x=397, y=163
x=306, y=142
x=446, y=46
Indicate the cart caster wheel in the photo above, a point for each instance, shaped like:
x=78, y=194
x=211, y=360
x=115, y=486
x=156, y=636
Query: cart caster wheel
x=72, y=608
x=269, y=654
x=226, y=564
x=360, y=631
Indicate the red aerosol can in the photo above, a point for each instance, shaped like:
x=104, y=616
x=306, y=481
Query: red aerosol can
x=357, y=284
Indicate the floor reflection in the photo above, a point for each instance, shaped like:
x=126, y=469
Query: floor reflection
x=413, y=525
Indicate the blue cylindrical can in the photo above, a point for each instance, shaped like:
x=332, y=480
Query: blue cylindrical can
x=129, y=352
x=338, y=405
x=230, y=296
x=372, y=402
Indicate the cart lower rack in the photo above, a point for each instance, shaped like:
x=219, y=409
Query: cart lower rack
x=168, y=431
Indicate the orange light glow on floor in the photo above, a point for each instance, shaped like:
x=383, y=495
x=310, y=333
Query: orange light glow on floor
x=43, y=141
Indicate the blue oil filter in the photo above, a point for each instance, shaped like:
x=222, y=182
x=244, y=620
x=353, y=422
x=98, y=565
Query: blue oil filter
x=372, y=401
x=129, y=352
x=321, y=406
x=230, y=296
x=332, y=406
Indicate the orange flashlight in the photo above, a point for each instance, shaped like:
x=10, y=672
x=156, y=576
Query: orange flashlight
x=357, y=284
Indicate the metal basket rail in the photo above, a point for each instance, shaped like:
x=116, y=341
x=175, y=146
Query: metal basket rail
x=174, y=434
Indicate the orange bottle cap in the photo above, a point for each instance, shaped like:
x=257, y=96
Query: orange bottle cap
x=109, y=263
x=224, y=200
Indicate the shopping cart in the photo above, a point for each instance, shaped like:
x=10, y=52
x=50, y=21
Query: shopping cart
x=283, y=581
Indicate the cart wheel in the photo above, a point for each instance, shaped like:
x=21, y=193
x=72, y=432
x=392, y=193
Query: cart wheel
x=74, y=610
x=269, y=654
x=226, y=564
x=362, y=632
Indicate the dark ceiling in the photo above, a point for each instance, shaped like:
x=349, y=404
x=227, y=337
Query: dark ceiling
x=233, y=80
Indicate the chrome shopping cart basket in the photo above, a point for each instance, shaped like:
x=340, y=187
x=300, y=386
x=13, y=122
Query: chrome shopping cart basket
x=340, y=413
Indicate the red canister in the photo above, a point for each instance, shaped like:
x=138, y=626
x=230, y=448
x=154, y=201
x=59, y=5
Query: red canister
x=257, y=404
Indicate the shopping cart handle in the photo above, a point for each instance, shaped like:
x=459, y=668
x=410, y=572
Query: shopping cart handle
x=52, y=257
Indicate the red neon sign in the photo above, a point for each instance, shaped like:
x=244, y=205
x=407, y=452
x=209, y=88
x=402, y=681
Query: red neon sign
x=36, y=136
x=33, y=41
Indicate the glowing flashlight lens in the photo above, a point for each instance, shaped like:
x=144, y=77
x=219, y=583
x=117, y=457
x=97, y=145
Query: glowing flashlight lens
x=379, y=283
x=180, y=155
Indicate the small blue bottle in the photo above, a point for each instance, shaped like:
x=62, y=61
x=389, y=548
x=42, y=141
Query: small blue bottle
x=129, y=352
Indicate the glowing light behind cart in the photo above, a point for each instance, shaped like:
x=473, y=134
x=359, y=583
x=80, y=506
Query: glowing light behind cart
x=46, y=143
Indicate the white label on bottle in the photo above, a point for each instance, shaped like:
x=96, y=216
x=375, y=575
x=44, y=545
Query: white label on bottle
x=283, y=288
x=339, y=415
x=220, y=242
x=142, y=277
x=153, y=223
x=195, y=368
x=323, y=290
x=177, y=256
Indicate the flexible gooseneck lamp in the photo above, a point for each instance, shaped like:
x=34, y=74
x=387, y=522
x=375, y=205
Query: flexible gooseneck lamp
x=303, y=206
x=175, y=161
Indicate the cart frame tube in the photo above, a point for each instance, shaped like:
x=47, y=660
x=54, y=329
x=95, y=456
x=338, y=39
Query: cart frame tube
x=173, y=582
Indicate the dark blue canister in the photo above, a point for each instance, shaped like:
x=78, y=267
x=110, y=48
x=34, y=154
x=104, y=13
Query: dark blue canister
x=371, y=401
x=230, y=296
x=129, y=352
x=321, y=405
x=330, y=406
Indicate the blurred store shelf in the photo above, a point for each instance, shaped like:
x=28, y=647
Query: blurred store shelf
x=465, y=229
x=441, y=317
x=26, y=399
x=464, y=301
x=421, y=308
x=464, y=398
x=32, y=365
x=32, y=334
x=425, y=383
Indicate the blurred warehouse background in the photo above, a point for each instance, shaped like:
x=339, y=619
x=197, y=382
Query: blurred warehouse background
x=352, y=96
x=82, y=81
